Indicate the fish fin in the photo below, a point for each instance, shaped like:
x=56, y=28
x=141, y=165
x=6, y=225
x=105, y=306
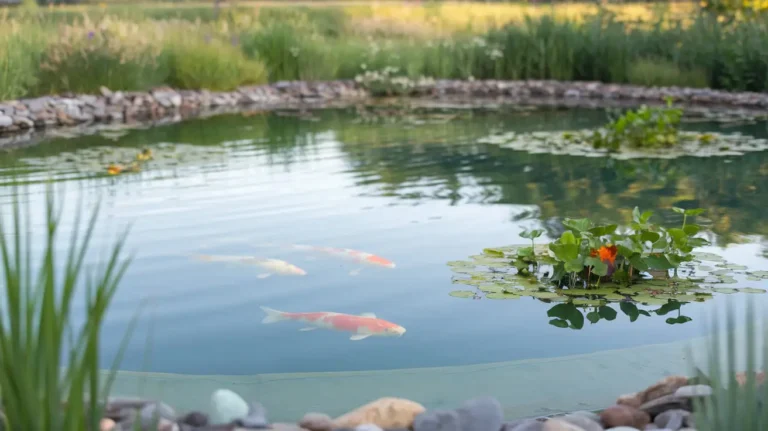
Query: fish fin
x=272, y=315
x=311, y=328
x=371, y=315
x=263, y=276
x=358, y=337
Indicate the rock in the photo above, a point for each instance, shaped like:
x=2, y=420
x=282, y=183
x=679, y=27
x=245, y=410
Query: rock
x=256, y=418
x=694, y=391
x=667, y=402
x=622, y=429
x=23, y=122
x=632, y=400
x=481, y=414
x=106, y=424
x=437, y=420
x=156, y=413
x=672, y=419
x=316, y=422
x=5, y=121
x=286, y=427
x=384, y=412
x=195, y=419
x=226, y=406
x=106, y=92
x=589, y=415
x=167, y=425
x=622, y=415
x=368, y=427
x=582, y=421
x=665, y=386
x=524, y=425
x=559, y=425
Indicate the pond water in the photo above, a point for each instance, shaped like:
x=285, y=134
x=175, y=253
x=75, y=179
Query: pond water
x=417, y=190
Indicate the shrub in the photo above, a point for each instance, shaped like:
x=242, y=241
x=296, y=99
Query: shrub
x=19, y=57
x=645, y=127
x=665, y=74
x=118, y=55
x=211, y=64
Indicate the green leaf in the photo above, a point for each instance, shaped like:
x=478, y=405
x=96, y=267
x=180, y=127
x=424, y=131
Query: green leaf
x=565, y=252
x=694, y=211
x=678, y=235
x=661, y=243
x=645, y=216
x=593, y=316
x=567, y=312
x=657, y=261
x=533, y=234
x=493, y=252
x=462, y=293
x=575, y=265
x=579, y=225
x=560, y=323
x=630, y=310
x=669, y=306
x=678, y=320
x=502, y=295
x=692, y=229
x=678, y=210
x=568, y=238
x=649, y=236
x=636, y=215
x=624, y=251
x=638, y=262
x=525, y=252
x=697, y=242
x=598, y=266
x=607, y=313
x=603, y=230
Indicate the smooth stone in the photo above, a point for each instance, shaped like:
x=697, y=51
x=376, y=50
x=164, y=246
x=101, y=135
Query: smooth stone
x=622, y=415
x=524, y=425
x=672, y=419
x=587, y=414
x=106, y=424
x=316, y=422
x=632, y=400
x=5, y=121
x=156, y=412
x=583, y=422
x=694, y=391
x=667, y=402
x=226, y=406
x=195, y=419
x=481, y=414
x=560, y=425
x=437, y=420
x=385, y=412
x=256, y=418
x=368, y=427
x=286, y=427
x=665, y=386
x=622, y=429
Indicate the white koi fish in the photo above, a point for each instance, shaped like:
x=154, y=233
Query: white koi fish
x=357, y=256
x=362, y=326
x=273, y=266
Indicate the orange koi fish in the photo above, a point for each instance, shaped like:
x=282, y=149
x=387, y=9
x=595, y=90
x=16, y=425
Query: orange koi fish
x=362, y=326
x=272, y=266
x=358, y=256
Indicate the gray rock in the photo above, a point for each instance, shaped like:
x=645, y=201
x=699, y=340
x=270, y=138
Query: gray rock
x=481, y=414
x=316, y=422
x=524, y=425
x=560, y=425
x=694, y=391
x=5, y=121
x=622, y=429
x=672, y=419
x=106, y=92
x=667, y=402
x=256, y=419
x=583, y=422
x=156, y=413
x=226, y=406
x=23, y=122
x=438, y=420
x=195, y=419
x=368, y=427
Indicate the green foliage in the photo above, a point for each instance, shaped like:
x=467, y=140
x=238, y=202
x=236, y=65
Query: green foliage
x=645, y=127
x=212, y=64
x=664, y=73
x=47, y=359
x=19, y=59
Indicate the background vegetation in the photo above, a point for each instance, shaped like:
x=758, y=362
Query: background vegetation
x=58, y=49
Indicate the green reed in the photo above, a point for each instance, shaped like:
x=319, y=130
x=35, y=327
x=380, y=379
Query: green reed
x=50, y=375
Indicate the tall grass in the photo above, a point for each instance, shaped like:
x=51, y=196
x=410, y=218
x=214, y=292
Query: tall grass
x=49, y=379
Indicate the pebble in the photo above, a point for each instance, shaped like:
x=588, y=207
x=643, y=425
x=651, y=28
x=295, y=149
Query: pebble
x=156, y=412
x=437, y=420
x=622, y=415
x=481, y=414
x=622, y=429
x=6, y=121
x=385, y=412
x=560, y=425
x=368, y=427
x=316, y=422
x=256, y=418
x=694, y=391
x=587, y=423
x=106, y=424
x=226, y=406
x=667, y=402
x=672, y=419
x=195, y=419
x=524, y=425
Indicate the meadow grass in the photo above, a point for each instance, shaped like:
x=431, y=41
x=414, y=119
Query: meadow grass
x=252, y=43
x=50, y=378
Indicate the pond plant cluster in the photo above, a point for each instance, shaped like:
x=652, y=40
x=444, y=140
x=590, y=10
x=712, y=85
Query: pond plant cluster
x=591, y=265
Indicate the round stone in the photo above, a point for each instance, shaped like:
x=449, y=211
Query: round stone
x=226, y=406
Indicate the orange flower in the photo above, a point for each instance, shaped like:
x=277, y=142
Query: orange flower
x=608, y=254
x=114, y=169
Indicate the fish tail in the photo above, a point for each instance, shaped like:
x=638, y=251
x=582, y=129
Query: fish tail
x=273, y=315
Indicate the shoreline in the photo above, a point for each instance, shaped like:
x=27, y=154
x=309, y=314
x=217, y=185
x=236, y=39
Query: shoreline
x=25, y=122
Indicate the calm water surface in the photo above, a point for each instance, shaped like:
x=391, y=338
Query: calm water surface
x=418, y=191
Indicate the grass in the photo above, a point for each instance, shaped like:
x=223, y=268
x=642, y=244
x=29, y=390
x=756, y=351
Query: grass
x=47, y=360
x=81, y=48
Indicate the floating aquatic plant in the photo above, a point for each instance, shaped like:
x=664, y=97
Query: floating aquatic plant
x=647, y=269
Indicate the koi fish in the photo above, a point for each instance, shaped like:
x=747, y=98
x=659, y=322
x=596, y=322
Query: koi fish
x=358, y=256
x=362, y=326
x=275, y=266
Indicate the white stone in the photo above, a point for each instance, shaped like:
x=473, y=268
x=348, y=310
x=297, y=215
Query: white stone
x=694, y=391
x=227, y=406
x=5, y=121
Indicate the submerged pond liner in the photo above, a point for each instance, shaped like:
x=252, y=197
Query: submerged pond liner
x=494, y=276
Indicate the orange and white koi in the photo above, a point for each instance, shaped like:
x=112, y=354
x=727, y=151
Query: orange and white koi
x=362, y=326
x=356, y=255
x=275, y=266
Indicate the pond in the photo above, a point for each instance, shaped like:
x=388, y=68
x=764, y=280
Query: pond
x=415, y=190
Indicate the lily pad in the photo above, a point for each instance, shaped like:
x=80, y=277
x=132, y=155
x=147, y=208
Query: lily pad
x=491, y=288
x=543, y=295
x=727, y=290
x=710, y=257
x=650, y=300
x=751, y=290
x=590, y=302
x=462, y=293
x=502, y=296
x=732, y=266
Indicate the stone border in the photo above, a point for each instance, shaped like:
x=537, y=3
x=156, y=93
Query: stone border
x=22, y=121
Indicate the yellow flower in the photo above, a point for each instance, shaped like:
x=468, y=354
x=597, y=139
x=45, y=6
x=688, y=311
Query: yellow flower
x=144, y=155
x=114, y=169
